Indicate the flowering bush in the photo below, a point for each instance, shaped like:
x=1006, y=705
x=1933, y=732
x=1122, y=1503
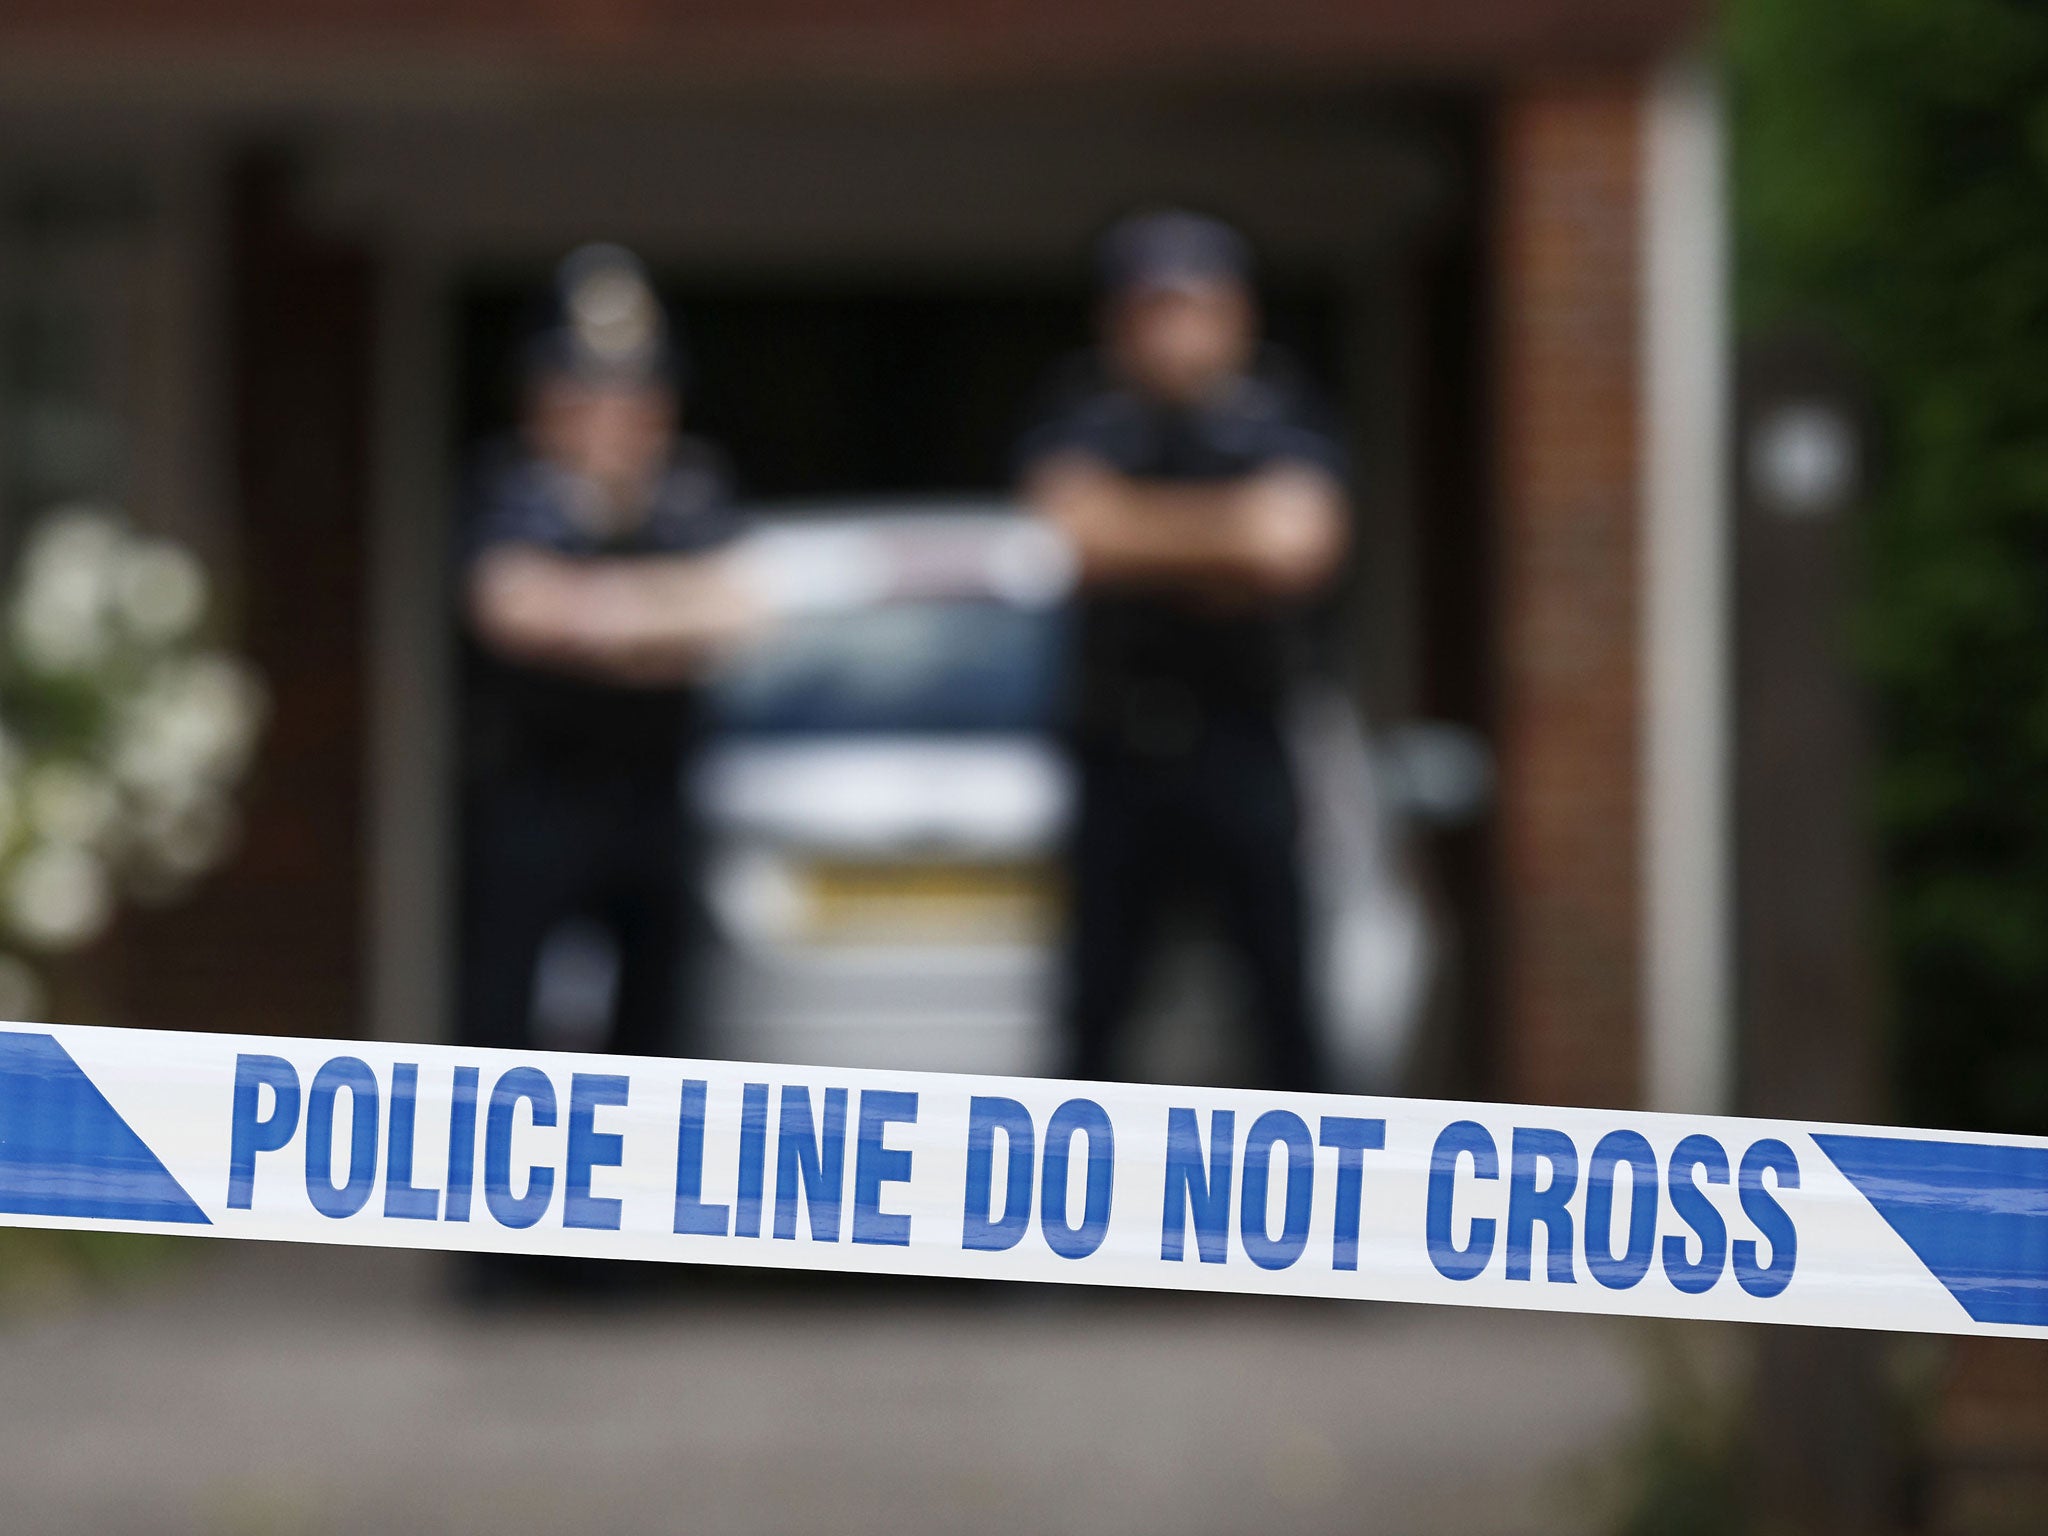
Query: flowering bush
x=122, y=736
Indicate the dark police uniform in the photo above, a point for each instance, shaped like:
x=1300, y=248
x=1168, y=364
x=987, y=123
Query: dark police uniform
x=573, y=795
x=1177, y=727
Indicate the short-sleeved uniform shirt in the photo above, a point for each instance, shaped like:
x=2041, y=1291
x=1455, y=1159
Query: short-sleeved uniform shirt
x=1155, y=667
x=533, y=721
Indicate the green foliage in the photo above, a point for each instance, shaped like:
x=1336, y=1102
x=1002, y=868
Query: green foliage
x=1891, y=185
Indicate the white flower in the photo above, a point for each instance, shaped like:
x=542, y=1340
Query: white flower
x=21, y=990
x=146, y=806
x=159, y=590
x=81, y=537
x=70, y=803
x=224, y=700
x=66, y=583
x=60, y=625
x=183, y=838
x=58, y=897
x=193, y=722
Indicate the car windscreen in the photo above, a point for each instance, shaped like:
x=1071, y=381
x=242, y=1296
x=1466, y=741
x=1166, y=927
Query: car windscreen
x=941, y=667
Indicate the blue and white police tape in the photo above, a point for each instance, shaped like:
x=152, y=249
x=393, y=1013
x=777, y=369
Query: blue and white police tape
x=912, y=1173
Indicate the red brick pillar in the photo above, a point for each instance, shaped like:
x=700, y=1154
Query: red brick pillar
x=1567, y=259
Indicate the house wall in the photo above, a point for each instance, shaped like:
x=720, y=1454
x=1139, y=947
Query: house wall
x=273, y=942
x=1564, y=550
x=1568, y=206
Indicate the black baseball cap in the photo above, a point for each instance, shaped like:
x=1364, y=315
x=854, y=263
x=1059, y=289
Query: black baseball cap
x=605, y=324
x=1171, y=248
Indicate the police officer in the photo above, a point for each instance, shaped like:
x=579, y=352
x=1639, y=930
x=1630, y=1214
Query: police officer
x=596, y=596
x=1206, y=505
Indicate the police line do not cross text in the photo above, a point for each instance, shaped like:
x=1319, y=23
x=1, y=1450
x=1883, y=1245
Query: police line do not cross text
x=1029, y=1179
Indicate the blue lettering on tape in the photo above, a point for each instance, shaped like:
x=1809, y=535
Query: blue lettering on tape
x=353, y=1192
x=876, y=1163
x=1691, y=1205
x=1277, y=1128
x=695, y=1215
x=1352, y=1138
x=813, y=1157
x=251, y=1131
x=746, y=1207
x=1764, y=1281
x=1616, y=1150
x=520, y=1084
x=1460, y=1139
x=1195, y=1192
x=1530, y=1203
x=980, y=1229
x=590, y=1148
x=403, y=1198
x=461, y=1146
x=1087, y=1119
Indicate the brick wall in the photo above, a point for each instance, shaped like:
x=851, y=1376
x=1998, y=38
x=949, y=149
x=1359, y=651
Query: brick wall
x=1567, y=158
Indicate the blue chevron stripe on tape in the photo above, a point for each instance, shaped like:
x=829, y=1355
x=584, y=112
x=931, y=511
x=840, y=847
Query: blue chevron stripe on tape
x=65, y=1151
x=1976, y=1214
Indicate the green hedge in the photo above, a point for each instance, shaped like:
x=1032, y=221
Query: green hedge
x=1891, y=184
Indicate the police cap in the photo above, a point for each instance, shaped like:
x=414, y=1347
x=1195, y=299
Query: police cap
x=1171, y=248
x=605, y=323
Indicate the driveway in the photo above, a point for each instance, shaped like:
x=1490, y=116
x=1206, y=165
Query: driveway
x=257, y=1389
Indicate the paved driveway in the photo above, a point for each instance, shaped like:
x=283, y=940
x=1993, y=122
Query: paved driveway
x=265, y=1389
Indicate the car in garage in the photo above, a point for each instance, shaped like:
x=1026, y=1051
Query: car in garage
x=885, y=801
x=886, y=804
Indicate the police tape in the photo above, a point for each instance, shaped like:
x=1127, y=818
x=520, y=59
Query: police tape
x=913, y=1173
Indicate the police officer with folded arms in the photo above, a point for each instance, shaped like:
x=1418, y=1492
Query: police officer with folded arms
x=1205, y=500
x=597, y=595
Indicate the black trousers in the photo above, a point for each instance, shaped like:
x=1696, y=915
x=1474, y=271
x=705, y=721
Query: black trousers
x=539, y=851
x=1218, y=820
